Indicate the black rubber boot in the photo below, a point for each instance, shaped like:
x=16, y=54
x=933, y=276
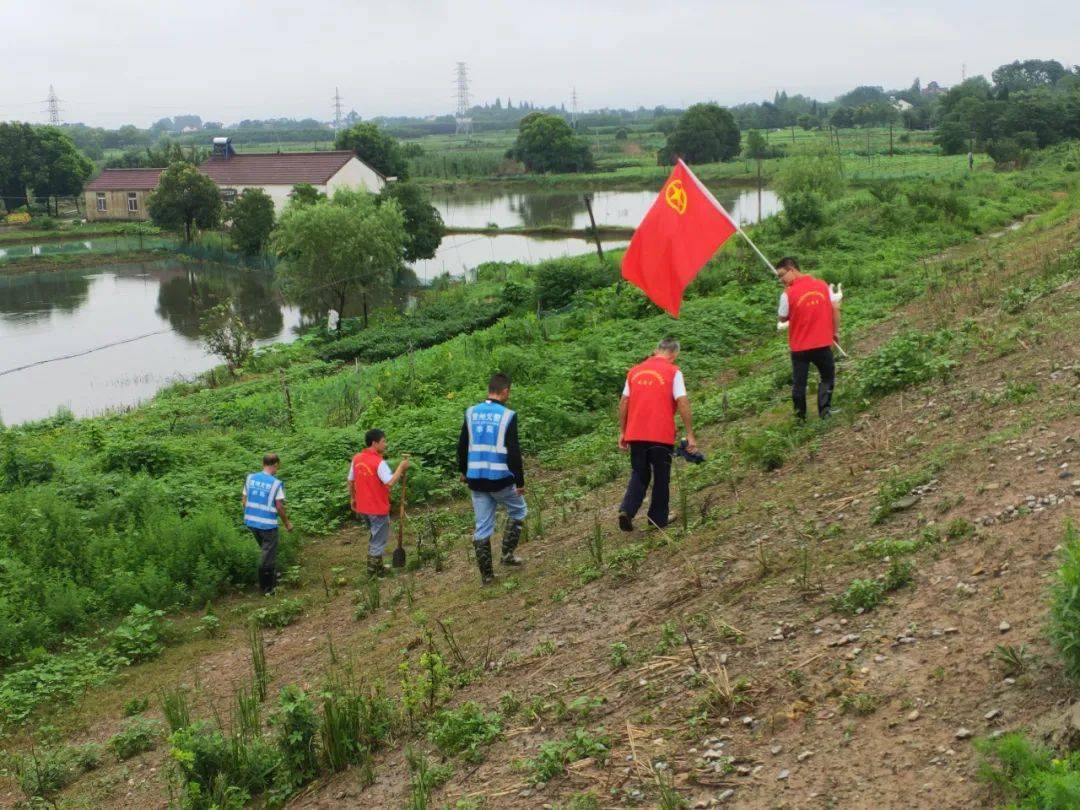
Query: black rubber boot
x=483, y=560
x=267, y=581
x=511, y=536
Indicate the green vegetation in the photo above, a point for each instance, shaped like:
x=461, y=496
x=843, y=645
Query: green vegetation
x=553, y=757
x=1065, y=604
x=185, y=199
x=376, y=148
x=38, y=160
x=545, y=143
x=705, y=133
x=340, y=250
x=462, y=731
x=1029, y=776
x=134, y=738
x=252, y=217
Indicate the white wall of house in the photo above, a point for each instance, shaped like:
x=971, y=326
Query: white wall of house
x=279, y=194
x=353, y=175
x=356, y=175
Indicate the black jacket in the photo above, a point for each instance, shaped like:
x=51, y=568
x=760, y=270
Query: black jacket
x=513, y=460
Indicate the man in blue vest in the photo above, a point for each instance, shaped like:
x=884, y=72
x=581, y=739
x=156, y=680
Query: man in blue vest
x=489, y=458
x=264, y=502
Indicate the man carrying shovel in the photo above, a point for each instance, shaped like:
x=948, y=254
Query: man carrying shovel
x=370, y=480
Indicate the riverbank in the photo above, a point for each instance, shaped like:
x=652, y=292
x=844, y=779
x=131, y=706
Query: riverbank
x=22, y=235
x=548, y=231
x=74, y=261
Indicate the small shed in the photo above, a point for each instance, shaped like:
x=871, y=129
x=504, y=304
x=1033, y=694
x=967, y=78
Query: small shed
x=120, y=194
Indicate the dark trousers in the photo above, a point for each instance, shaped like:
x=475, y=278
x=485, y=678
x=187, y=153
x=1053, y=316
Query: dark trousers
x=822, y=359
x=649, y=461
x=268, y=542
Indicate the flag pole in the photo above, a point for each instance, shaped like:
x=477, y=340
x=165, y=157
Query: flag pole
x=738, y=227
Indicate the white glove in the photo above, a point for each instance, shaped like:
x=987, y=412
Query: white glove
x=836, y=293
x=782, y=325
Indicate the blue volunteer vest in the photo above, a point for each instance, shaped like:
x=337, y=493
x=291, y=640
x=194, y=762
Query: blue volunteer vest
x=261, y=489
x=487, y=424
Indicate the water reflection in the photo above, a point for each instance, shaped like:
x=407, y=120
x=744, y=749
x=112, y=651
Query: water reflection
x=32, y=296
x=183, y=298
x=53, y=314
x=566, y=209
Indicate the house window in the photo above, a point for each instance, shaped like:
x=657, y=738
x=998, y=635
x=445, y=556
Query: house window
x=228, y=196
x=101, y=201
x=133, y=202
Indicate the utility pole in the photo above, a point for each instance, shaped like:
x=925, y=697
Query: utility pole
x=595, y=233
x=53, y=107
x=890, y=139
x=337, y=111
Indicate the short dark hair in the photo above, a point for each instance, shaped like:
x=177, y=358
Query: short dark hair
x=788, y=262
x=270, y=459
x=498, y=383
x=373, y=436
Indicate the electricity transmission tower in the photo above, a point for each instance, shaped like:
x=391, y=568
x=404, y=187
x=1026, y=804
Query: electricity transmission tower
x=462, y=122
x=337, y=110
x=53, y=107
x=573, y=109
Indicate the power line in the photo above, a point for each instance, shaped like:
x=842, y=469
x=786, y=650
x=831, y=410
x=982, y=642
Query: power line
x=82, y=353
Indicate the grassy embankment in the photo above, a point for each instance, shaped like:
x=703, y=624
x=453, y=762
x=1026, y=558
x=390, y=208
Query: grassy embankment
x=74, y=484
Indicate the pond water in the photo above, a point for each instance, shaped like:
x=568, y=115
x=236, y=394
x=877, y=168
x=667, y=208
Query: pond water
x=67, y=312
x=536, y=209
x=566, y=209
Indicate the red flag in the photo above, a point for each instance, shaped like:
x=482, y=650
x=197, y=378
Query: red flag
x=682, y=230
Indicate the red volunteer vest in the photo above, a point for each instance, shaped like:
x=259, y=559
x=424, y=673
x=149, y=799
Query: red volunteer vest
x=370, y=495
x=651, y=413
x=811, y=314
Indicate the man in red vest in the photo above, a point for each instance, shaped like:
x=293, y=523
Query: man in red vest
x=654, y=392
x=370, y=480
x=810, y=311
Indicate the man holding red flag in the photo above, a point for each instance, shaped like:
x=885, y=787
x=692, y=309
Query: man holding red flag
x=810, y=311
x=682, y=230
x=654, y=391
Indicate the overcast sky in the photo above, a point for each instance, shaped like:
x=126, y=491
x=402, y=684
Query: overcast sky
x=134, y=61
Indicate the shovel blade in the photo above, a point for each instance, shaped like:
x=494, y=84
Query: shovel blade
x=398, y=559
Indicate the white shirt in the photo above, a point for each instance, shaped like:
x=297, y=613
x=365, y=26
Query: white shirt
x=678, y=387
x=783, y=310
x=384, y=472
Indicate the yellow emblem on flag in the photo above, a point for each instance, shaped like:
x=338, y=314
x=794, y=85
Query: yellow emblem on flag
x=675, y=195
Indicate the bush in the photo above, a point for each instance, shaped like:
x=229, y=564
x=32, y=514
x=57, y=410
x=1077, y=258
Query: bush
x=297, y=732
x=464, y=730
x=136, y=736
x=138, y=636
x=554, y=756
x=280, y=615
x=906, y=359
x=215, y=772
x=804, y=210
x=42, y=774
x=1027, y=775
x=1065, y=604
x=135, y=705
x=558, y=280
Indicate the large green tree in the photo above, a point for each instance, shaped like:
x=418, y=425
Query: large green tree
x=423, y=222
x=706, y=133
x=185, y=198
x=61, y=170
x=545, y=143
x=39, y=159
x=252, y=220
x=373, y=146
x=338, y=250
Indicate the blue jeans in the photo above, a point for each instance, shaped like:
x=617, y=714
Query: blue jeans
x=485, y=504
x=379, y=526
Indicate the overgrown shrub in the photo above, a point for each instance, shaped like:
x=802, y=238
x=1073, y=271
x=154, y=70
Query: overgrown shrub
x=1065, y=603
x=215, y=772
x=42, y=773
x=1027, y=775
x=905, y=360
x=462, y=731
x=135, y=737
x=138, y=637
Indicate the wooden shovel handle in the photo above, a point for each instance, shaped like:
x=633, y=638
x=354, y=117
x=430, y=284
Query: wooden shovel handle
x=401, y=511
